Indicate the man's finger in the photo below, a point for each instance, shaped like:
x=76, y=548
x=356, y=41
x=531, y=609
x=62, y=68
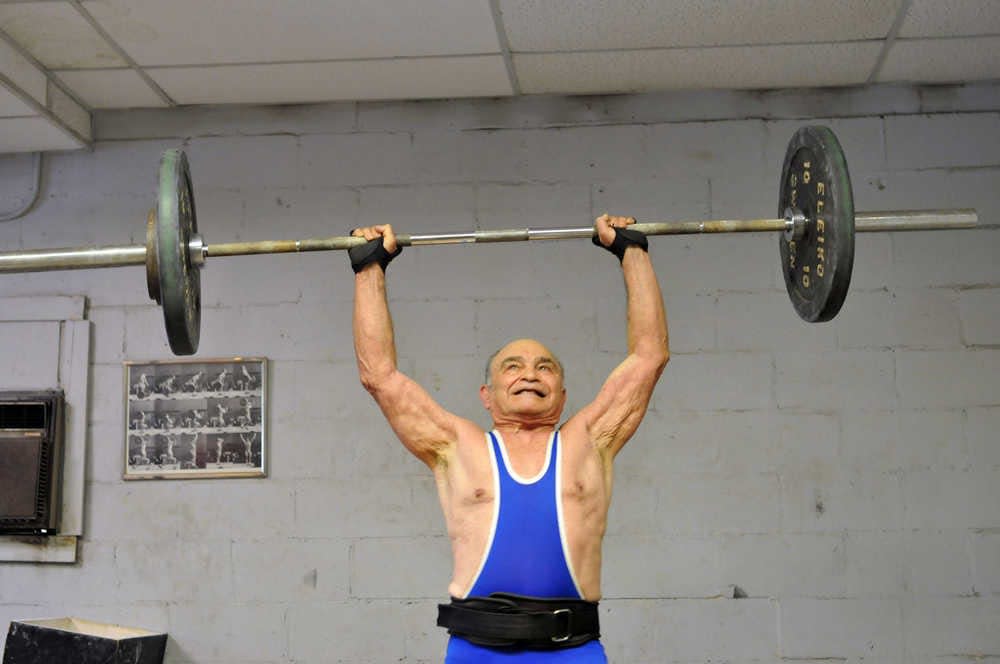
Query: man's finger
x=605, y=231
x=389, y=235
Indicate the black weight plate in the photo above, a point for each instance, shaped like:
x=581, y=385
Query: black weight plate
x=180, y=284
x=817, y=266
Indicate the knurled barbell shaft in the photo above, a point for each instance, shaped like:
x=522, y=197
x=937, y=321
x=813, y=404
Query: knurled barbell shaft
x=40, y=260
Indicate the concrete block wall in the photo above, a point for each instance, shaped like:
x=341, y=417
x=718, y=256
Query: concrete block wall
x=845, y=477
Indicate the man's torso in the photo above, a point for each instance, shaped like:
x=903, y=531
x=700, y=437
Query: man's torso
x=465, y=479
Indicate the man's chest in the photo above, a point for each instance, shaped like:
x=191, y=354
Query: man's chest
x=479, y=475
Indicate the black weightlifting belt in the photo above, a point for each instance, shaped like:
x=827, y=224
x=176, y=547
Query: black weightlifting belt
x=505, y=620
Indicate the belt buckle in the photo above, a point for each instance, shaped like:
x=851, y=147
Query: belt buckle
x=569, y=625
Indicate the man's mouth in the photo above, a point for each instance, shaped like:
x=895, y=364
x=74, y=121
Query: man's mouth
x=529, y=390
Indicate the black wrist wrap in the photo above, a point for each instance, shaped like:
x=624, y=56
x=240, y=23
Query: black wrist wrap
x=624, y=238
x=372, y=251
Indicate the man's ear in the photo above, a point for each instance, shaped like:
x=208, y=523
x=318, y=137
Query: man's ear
x=486, y=397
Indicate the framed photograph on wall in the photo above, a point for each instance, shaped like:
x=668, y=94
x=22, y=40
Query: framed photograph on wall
x=187, y=419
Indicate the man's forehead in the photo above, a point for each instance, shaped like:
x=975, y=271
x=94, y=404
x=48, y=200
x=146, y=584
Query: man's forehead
x=522, y=358
x=525, y=348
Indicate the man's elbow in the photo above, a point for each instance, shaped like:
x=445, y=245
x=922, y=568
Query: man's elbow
x=656, y=355
x=663, y=358
x=375, y=382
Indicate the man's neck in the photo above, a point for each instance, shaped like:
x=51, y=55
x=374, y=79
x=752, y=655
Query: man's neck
x=524, y=430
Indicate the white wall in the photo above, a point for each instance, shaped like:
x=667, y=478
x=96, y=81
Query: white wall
x=844, y=475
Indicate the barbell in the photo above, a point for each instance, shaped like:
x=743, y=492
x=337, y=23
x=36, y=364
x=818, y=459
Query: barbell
x=816, y=226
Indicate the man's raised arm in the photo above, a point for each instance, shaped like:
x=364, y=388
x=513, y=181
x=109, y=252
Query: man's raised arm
x=422, y=425
x=616, y=412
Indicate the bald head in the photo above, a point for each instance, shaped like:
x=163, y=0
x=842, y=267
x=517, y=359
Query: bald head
x=499, y=355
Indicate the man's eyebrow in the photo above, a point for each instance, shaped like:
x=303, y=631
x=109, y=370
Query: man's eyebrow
x=512, y=358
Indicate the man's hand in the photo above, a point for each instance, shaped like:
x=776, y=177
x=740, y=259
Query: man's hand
x=375, y=232
x=381, y=248
x=606, y=225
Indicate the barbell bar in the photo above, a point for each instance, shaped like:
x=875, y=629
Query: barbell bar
x=816, y=229
x=84, y=258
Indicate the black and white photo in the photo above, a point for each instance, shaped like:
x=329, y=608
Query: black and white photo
x=190, y=419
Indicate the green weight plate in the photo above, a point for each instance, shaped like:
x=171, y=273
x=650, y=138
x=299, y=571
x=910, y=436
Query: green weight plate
x=817, y=266
x=180, y=284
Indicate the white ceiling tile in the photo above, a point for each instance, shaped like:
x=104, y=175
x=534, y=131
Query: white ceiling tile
x=816, y=65
x=194, y=32
x=69, y=112
x=412, y=78
x=12, y=106
x=19, y=72
x=951, y=18
x=34, y=134
x=111, y=88
x=56, y=35
x=942, y=60
x=578, y=25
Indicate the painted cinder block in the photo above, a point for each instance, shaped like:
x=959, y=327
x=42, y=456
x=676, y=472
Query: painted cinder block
x=948, y=379
x=829, y=498
x=356, y=160
x=176, y=571
x=400, y=567
x=352, y=630
x=940, y=498
x=121, y=512
x=220, y=631
x=680, y=441
x=785, y=565
x=252, y=510
x=661, y=566
x=980, y=316
x=244, y=161
x=367, y=507
x=986, y=561
x=61, y=585
x=835, y=380
x=711, y=149
x=758, y=321
x=952, y=626
x=719, y=628
x=574, y=154
x=632, y=630
x=947, y=140
x=874, y=564
x=981, y=425
x=703, y=503
x=424, y=641
x=716, y=381
x=281, y=569
x=834, y=628
x=900, y=319
x=938, y=562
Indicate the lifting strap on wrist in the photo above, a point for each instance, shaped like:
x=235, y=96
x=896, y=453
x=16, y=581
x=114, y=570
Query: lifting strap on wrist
x=624, y=238
x=505, y=620
x=372, y=251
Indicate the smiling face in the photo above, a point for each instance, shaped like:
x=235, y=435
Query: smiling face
x=525, y=385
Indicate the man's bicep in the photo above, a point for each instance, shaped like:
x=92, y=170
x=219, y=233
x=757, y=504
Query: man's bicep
x=422, y=425
x=614, y=415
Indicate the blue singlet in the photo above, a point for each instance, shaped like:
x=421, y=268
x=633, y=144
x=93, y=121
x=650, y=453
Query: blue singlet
x=526, y=555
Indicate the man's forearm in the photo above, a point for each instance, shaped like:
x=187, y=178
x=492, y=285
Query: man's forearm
x=374, y=342
x=647, y=321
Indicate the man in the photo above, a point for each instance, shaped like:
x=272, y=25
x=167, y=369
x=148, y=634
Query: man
x=525, y=505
